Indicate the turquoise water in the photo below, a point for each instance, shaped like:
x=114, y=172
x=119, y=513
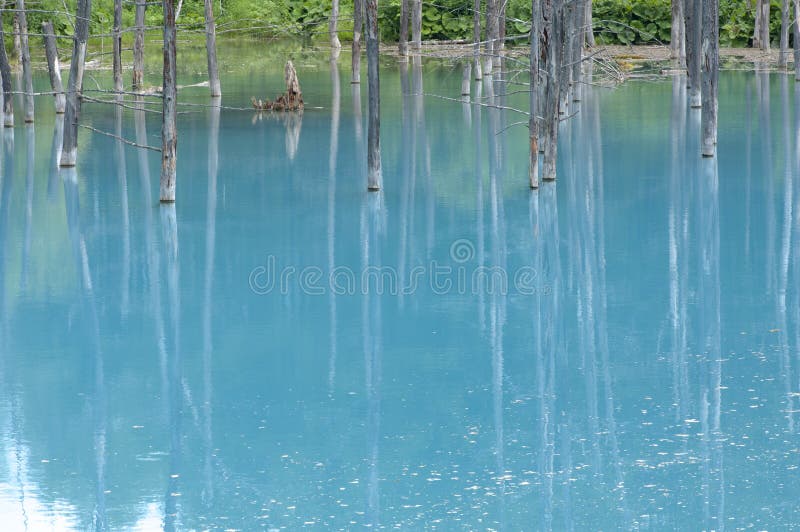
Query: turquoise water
x=619, y=350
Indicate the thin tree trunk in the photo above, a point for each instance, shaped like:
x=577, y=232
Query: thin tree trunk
x=491, y=34
x=577, y=49
x=27, y=74
x=358, y=24
x=416, y=25
x=169, y=130
x=565, y=22
x=550, y=42
x=138, y=46
x=117, y=37
x=53, y=66
x=677, y=43
x=589, y=24
x=69, y=149
x=374, y=177
x=476, y=38
x=466, y=79
x=784, y=42
x=761, y=27
x=211, y=50
x=5, y=74
x=796, y=39
x=710, y=48
x=17, y=42
x=694, y=18
x=533, y=131
x=333, y=25
x=402, y=45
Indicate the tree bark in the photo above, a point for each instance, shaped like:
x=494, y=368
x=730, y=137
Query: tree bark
x=476, y=38
x=491, y=34
x=138, y=46
x=374, y=177
x=466, y=79
x=565, y=24
x=784, y=42
x=358, y=25
x=333, y=25
x=169, y=130
x=211, y=49
x=402, y=45
x=53, y=66
x=5, y=74
x=796, y=39
x=551, y=51
x=17, y=42
x=117, y=38
x=708, y=120
x=69, y=150
x=27, y=74
x=533, y=131
x=694, y=18
x=416, y=25
x=577, y=49
x=589, y=24
x=761, y=27
x=677, y=43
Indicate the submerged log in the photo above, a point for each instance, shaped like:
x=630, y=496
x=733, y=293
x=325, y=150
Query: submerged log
x=53, y=66
x=291, y=100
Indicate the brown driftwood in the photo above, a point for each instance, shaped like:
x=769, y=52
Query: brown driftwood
x=291, y=100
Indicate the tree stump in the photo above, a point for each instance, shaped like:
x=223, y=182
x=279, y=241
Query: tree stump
x=290, y=100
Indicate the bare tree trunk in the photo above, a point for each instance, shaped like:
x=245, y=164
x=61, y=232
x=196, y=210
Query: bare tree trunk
x=796, y=39
x=27, y=74
x=358, y=24
x=677, y=43
x=17, y=42
x=466, y=79
x=117, y=37
x=5, y=73
x=476, y=38
x=694, y=18
x=416, y=25
x=565, y=22
x=333, y=26
x=169, y=130
x=577, y=49
x=69, y=149
x=491, y=34
x=784, y=42
x=402, y=45
x=761, y=30
x=53, y=66
x=589, y=24
x=211, y=50
x=138, y=46
x=533, y=130
x=551, y=45
x=374, y=176
x=710, y=48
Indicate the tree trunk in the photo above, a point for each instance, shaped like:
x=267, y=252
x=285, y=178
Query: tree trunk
x=796, y=39
x=27, y=74
x=761, y=27
x=677, y=43
x=5, y=74
x=402, y=45
x=374, y=177
x=551, y=45
x=565, y=24
x=138, y=46
x=491, y=34
x=333, y=25
x=17, y=42
x=466, y=79
x=577, y=49
x=533, y=131
x=211, y=50
x=784, y=42
x=476, y=38
x=589, y=24
x=117, y=37
x=358, y=24
x=69, y=149
x=710, y=48
x=694, y=19
x=169, y=130
x=53, y=66
x=416, y=25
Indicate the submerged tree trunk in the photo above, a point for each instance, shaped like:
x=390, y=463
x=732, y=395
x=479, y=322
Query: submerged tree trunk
x=552, y=18
x=211, y=50
x=374, y=177
x=69, y=149
x=53, y=66
x=117, y=38
x=677, y=43
x=27, y=74
x=358, y=24
x=694, y=19
x=333, y=26
x=710, y=75
x=761, y=27
x=169, y=131
x=533, y=130
x=466, y=79
x=416, y=25
x=476, y=38
x=402, y=44
x=138, y=46
x=784, y=42
x=5, y=74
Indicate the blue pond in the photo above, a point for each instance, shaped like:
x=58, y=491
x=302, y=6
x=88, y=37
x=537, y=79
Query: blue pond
x=280, y=348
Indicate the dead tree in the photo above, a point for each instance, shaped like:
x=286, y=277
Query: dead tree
x=138, y=45
x=69, y=150
x=333, y=26
x=491, y=34
x=416, y=25
x=53, y=66
x=552, y=21
x=589, y=24
x=5, y=73
x=211, y=49
x=476, y=38
x=402, y=43
x=117, y=46
x=677, y=43
x=796, y=39
x=27, y=74
x=169, y=129
x=374, y=177
x=578, y=40
x=761, y=27
x=17, y=42
x=358, y=24
x=533, y=131
x=693, y=26
x=710, y=49
x=784, y=41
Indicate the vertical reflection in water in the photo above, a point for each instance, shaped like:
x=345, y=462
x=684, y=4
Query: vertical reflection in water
x=373, y=231
x=169, y=233
x=30, y=152
x=421, y=147
x=55, y=156
x=208, y=282
x=748, y=148
x=125, y=280
x=81, y=258
x=481, y=244
x=334, y=150
x=763, y=88
x=796, y=243
x=405, y=175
